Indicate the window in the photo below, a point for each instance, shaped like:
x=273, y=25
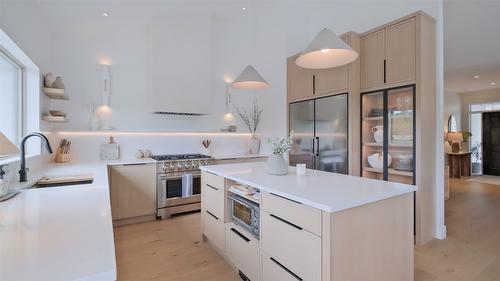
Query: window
x=480, y=107
x=11, y=98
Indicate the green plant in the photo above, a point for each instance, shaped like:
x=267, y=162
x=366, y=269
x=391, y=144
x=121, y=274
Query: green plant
x=475, y=150
x=466, y=136
x=280, y=145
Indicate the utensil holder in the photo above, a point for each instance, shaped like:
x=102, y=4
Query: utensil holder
x=62, y=157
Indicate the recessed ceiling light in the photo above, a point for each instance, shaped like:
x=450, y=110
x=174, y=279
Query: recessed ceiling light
x=476, y=76
x=244, y=8
x=493, y=83
x=105, y=14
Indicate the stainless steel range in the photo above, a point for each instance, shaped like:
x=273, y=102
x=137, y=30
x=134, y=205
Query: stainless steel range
x=178, y=183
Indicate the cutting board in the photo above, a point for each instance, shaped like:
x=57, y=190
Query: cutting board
x=65, y=179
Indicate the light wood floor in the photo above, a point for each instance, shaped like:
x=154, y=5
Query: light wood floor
x=172, y=249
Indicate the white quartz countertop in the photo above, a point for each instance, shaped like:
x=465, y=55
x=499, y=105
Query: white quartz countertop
x=59, y=233
x=322, y=190
x=237, y=156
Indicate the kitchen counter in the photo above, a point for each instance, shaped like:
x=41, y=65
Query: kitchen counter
x=322, y=190
x=59, y=233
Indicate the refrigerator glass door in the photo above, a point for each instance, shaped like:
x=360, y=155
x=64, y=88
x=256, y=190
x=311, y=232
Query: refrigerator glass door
x=302, y=133
x=331, y=134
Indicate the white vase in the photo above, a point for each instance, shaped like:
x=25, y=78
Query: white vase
x=378, y=134
x=206, y=151
x=253, y=145
x=95, y=123
x=276, y=165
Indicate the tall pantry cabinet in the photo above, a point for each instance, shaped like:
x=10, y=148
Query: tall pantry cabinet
x=397, y=60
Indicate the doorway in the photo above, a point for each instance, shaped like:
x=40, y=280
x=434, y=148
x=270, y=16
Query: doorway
x=491, y=143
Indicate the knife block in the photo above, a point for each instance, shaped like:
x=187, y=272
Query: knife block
x=62, y=157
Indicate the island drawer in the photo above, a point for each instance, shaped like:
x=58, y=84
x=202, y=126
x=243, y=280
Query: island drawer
x=214, y=229
x=242, y=249
x=273, y=270
x=299, y=214
x=213, y=180
x=295, y=248
x=212, y=200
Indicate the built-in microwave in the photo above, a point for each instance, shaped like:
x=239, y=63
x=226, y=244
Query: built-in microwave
x=245, y=213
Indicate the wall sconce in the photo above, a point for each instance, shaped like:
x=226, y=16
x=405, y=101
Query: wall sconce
x=228, y=117
x=106, y=84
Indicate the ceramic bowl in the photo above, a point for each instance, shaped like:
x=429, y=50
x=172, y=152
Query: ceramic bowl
x=376, y=160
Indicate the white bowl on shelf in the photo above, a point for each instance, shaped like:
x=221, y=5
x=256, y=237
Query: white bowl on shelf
x=376, y=160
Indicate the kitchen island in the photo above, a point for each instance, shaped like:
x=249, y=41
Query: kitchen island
x=317, y=226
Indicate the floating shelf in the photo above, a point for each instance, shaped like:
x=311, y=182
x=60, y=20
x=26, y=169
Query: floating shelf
x=53, y=93
x=391, y=172
x=376, y=144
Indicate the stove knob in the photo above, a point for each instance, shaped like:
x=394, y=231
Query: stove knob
x=179, y=166
x=194, y=165
x=165, y=167
x=172, y=166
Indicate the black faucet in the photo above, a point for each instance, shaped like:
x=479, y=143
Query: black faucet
x=22, y=173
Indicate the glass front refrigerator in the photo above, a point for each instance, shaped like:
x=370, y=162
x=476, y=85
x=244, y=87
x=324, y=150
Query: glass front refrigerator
x=318, y=130
x=388, y=134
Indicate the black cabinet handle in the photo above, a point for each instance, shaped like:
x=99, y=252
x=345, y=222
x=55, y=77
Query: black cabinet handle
x=314, y=84
x=285, y=221
x=297, y=202
x=213, y=187
x=385, y=71
x=240, y=235
x=215, y=217
x=286, y=269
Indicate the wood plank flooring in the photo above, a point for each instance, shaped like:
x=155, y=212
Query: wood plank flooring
x=172, y=249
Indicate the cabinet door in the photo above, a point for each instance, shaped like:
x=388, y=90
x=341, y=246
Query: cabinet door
x=133, y=191
x=242, y=249
x=400, y=52
x=330, y=80
x=372, y=60
x=273, y=270
x=299, y=80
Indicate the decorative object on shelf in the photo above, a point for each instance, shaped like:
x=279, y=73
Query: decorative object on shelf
x=376, y=160
x=95, y=117
x=48, y=80
x=476, y=158
x=466, y=136
x=206, y=145
x=405, y=163
x=452, y=124
x=62, y=153
x=249, y=78
x=139, y=154
x=106, y=82
x=455, y=138
x=276, y=164
x=378, y=133
x=229, y=129
x=58, y=83
x=401, y=126
x=110, y=150
x=55, y=116
x=252, y=121
x=228, y=116
x=326, y=50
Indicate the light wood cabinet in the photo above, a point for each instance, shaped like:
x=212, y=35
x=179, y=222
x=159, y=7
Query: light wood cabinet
x=133, y=191
x=214, y=230
x=400, y=52
x=212, y=197
x=299, y=80
x=372, y=60
x=388, y=56
x=242, y=249
x=273, y=270
x=330, y=80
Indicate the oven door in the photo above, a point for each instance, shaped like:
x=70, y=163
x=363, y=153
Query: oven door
x=178, y=189
x=242, y=213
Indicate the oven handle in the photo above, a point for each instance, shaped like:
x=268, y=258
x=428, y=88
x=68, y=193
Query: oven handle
x=195, y=176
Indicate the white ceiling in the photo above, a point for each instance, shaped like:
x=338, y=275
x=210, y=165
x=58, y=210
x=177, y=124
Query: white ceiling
x=471, y=45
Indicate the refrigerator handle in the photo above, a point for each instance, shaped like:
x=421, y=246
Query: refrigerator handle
x=317, y=146
x=312, y=147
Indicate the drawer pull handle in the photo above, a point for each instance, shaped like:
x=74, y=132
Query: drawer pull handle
x=286, y=269
x=215, y=217
x=240, y=235
x=287, y=222
x=213, y=187
x=285, y=197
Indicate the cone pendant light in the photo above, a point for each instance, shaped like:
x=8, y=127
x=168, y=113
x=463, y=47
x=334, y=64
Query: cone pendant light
x=249, y=78
x=325, y=51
